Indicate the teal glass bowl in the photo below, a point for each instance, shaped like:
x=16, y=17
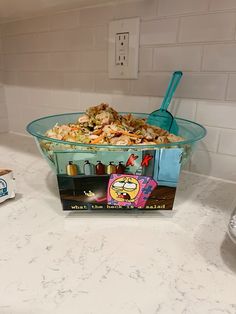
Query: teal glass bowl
x=192, y=132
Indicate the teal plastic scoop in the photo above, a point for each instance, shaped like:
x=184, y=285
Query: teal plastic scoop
x=161, y=117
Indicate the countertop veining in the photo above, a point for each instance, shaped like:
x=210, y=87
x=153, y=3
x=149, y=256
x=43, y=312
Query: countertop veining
x=179, y=261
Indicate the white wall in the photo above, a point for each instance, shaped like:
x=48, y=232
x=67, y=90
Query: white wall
x=58, y=63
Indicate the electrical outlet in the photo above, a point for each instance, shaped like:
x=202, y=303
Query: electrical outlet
x=123, y=48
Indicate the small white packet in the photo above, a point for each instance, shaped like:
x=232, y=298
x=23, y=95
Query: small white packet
x=7, y=185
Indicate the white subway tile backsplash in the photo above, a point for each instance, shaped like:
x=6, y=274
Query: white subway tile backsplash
x=37, y=24
x=26, y=43
x=100, y=34
x=155, y=103
x=12, y=62
x=231, y=91
x=185, y=58
x=3, y=125
x=150, y=84
x=97, y=15
x=34, y=61
x=200, y=85
x=214, y=164
x=3, y=110
x=79, y=81
x=57, y=41
x=79, y=38
x=42, y=79
x=16, y=124
x=71, y=40
x=19, y=125
x=208, y=27
x=63, y=61
x=91, y=99
x=227, y=143
x=210, y=142
x=93, y=61
x=10, y=44
x=221, y=57
x=1, y=63
x=1, y=77
x=125, y=103
x=41, y=42
x=145, y=59
x=222, y=5
x=26, y=62
x=52, y=79
x=3, y=107
x=183, y=108
x=39, y=97
x=28, y=79
x=158, y=31
x=221, y=115
x=10, y=77
x=105, y=85
x=69, y=100
x=65, y=20
x=16, y=97
x=36, y=42
x=145, y=9
x=170, y=7
x=192, y=85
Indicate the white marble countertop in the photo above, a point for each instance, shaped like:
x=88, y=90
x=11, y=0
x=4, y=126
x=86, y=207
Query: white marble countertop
x=112, y=263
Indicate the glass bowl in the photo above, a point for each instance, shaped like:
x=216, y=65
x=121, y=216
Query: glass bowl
x=191, y=131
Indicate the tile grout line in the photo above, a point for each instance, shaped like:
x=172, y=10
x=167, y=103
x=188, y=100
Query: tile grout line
x=195, y=111
x=157, y=8
x=178, y=30
x=235, y=27
x=227, y=87
x=218, y=142
x=202, y=58
x=209, y=6
x=152, y=61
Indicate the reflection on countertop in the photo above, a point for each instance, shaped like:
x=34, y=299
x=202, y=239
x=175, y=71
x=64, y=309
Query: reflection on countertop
x=179, y=261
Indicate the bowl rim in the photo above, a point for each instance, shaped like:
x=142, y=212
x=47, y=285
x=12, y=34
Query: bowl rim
x=137, y=146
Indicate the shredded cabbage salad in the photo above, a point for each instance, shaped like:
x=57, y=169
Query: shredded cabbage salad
x=103, y=125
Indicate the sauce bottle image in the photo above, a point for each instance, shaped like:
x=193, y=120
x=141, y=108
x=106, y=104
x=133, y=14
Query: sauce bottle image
x=71, y=169
x=100, y=168
x=88, y=168
x=120, y=168
x=111, y=168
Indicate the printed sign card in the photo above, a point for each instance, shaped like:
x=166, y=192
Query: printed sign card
x=118, y=180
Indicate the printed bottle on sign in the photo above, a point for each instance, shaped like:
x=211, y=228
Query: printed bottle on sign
x=120, y=168
x=100, y=168
x=71, y=169
x=111, y=168
x=88, y=168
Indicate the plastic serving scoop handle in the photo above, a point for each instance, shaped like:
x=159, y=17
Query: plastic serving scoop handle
x=174, y=82
x=161, y=117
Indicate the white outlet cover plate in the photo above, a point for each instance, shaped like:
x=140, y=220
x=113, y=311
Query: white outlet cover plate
x=129, y=71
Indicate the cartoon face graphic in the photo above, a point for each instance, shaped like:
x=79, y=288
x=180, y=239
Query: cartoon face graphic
x=124, y=189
